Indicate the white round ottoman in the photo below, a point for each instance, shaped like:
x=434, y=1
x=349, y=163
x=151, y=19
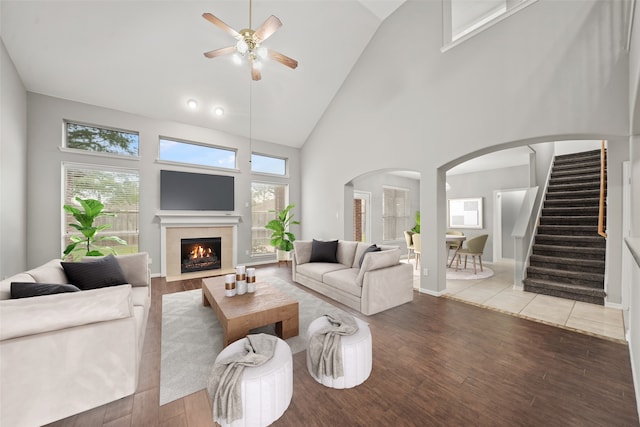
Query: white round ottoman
x=356, y=355
x=266, y=389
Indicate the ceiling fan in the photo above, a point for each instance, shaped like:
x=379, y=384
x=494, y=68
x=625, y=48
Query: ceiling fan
x=249, y=43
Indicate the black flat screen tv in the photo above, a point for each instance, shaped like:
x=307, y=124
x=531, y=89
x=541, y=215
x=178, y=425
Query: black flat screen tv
x=196, y=191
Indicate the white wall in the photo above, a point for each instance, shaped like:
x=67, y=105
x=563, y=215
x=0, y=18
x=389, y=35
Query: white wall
x=13, y=168
x=634, y=156
x=45, y=125
x=523, y=80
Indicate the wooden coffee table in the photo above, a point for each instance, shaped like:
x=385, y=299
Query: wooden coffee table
x=241, y=313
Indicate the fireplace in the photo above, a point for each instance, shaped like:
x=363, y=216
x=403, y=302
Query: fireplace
x=200, y=254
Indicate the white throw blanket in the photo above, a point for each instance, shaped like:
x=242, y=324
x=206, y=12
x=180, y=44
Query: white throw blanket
x=225, y=385
x=325, y=346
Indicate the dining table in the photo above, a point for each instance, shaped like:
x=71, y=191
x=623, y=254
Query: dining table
x=453, y=238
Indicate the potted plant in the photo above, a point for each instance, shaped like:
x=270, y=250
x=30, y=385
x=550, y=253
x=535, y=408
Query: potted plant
x=92, y=209
x=416, y=228
x=281, y=238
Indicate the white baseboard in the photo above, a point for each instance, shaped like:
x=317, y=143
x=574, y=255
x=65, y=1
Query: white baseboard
x=432, y=293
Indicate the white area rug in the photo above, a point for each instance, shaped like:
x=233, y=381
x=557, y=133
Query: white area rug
x=468, y=274
x=192, y=337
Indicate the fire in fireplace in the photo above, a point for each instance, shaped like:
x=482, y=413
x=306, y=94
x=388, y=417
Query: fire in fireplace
x=200, y=254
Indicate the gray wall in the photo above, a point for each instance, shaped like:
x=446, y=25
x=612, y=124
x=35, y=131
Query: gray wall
x=483, y=184
x=13, y=168
x=45, y=118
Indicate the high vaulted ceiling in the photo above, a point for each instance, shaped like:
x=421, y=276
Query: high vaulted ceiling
x=146, y=57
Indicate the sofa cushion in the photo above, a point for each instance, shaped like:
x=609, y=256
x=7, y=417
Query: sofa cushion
x=302, y=250
x=51, y=272
x=140, y=296
x=29, y=316
x=135, y=268
x=377, y=260
x=5, y=285
x=346, y=252
x=316, y=270
x=372, y=248
x=362, y=246
x=344, y=280
x=324, y=251
x=95, y=274
x=32, y=289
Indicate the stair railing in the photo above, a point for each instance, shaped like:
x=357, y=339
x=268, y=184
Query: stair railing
x=603, y=165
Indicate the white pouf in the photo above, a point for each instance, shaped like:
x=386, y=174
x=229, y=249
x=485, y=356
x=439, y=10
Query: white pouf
x=356, y=355
x=266, y=389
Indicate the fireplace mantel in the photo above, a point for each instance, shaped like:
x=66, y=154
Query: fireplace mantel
x=188, y=219
x=184, y=222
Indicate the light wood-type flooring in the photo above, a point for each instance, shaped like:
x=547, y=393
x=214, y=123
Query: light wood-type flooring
x=436, y=362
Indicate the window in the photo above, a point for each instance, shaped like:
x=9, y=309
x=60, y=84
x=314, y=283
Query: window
x=464, y=18
x=101, y=140
x=267, y=164
x=117, y=189
x=265, y=197
x=395, y=212
x=197, y=154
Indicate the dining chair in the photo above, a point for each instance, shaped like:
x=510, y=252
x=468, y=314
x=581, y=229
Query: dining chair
x=454, y=245
x=408, y=237
x=417, y=243
x=474, y=248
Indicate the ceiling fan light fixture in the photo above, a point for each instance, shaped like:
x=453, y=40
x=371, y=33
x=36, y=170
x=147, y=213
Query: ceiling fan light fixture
x=262, y=52
x=242, y=47
x=237, y=58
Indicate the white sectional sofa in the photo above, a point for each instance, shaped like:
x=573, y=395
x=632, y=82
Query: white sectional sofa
x=380, y=283
x=66, y=353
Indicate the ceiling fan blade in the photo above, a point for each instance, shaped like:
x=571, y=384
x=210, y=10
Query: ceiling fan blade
x=255, y=73
x=283, y=59
x=217, y=22
x=267, y=28
x=220, y=52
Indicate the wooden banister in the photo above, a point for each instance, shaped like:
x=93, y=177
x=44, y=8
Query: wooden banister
x=603, y=165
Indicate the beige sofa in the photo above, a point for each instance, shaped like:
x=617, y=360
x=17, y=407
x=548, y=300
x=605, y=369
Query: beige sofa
x=382, y=282
x=66, y=353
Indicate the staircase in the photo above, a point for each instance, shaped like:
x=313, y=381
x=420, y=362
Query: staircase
x=568, y=255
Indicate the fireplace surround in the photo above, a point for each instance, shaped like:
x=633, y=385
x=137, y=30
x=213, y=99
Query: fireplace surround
x=176, y=226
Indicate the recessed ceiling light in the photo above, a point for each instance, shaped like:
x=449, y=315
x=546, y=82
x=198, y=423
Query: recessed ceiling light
x=218, y=111
x=192, y=104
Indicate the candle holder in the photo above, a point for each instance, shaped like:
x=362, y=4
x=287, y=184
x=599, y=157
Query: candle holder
x=241, y=280
x=251, y=280
x=230, y=285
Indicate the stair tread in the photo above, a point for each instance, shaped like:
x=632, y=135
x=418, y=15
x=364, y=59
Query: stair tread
x=566, y=260
x=571, y=288
x=582, y=249
x=564, y=273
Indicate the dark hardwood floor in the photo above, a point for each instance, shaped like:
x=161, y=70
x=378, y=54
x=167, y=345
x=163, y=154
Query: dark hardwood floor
x=436, y=362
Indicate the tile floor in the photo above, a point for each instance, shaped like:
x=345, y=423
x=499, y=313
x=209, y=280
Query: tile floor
x=497, y=293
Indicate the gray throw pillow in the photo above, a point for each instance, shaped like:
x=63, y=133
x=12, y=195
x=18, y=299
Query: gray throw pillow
x=95, y=274
x=32, y=289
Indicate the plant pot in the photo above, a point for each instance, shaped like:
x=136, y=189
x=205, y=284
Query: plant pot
x=283, y=255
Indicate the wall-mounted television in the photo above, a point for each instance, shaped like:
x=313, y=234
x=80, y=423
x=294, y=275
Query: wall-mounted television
x=196, y=191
